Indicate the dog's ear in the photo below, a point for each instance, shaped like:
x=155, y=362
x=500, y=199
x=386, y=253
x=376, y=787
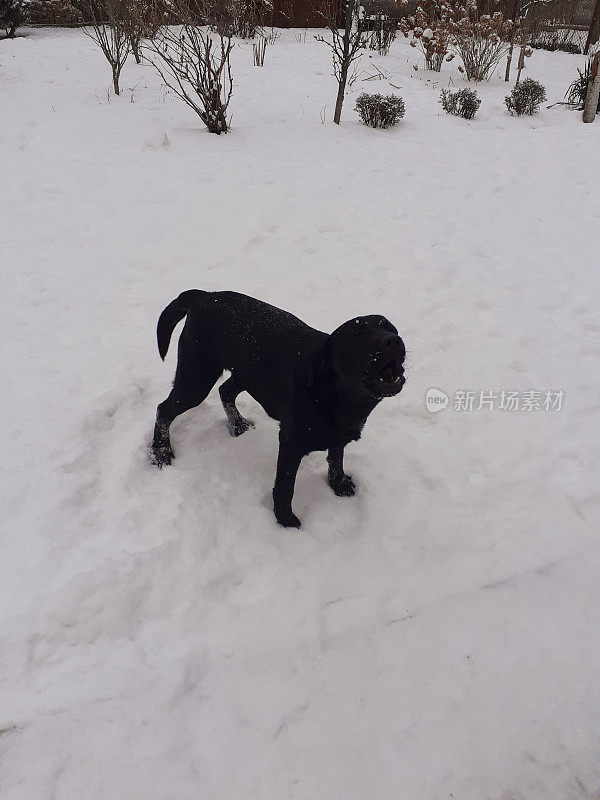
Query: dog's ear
x=383, y=323
x=320, y=365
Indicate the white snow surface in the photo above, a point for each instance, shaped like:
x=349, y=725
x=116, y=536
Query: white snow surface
x=161, y=638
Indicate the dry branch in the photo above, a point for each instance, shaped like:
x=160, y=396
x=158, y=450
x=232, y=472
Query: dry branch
x=108, y=30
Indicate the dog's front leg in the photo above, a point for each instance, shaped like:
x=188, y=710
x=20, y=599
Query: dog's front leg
x=342, y=484
x=288, y=462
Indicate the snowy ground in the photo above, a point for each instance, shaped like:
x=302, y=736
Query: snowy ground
x=161, y=638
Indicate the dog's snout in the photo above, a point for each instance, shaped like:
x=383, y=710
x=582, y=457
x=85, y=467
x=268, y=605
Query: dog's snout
x=393, y=346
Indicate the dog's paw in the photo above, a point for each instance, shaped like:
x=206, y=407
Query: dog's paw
x=161, y=456
x=345, y=487
x=238, y=426
x=287, y=519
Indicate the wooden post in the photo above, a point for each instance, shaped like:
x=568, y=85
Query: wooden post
x=593, y=91
x=593, y=26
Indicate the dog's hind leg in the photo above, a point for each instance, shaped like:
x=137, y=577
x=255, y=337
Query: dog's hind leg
x=342, y=484
x=235, y=422
x=195, y=376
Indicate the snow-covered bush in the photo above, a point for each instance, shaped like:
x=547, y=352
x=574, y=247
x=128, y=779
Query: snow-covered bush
x=525, y=98
x=431, y=32
x=379, y=111
x=442, y=28
x=463, y=103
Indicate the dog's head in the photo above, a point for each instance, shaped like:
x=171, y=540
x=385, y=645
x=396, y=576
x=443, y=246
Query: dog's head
x=367, y=356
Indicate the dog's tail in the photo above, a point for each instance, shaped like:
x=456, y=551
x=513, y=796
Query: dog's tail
x=173, y=314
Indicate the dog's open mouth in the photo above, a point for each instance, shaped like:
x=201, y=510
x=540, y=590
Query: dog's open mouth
x=387, y=381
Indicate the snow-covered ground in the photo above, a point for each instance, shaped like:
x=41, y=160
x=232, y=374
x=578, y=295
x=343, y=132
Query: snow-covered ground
x=161, y=638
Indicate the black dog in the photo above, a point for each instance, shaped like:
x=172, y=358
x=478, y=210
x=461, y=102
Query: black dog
x=320, y=387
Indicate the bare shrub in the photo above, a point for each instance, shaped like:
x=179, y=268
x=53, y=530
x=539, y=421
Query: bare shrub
x=463, y=103
x=132, y=22
x=194, y=63
x=525, y=98
x=141, y=20
x=108, y=30
x=379, y=111
x=481, y=41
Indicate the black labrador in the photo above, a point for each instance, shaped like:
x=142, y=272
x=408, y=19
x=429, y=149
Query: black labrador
x=320, y=387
